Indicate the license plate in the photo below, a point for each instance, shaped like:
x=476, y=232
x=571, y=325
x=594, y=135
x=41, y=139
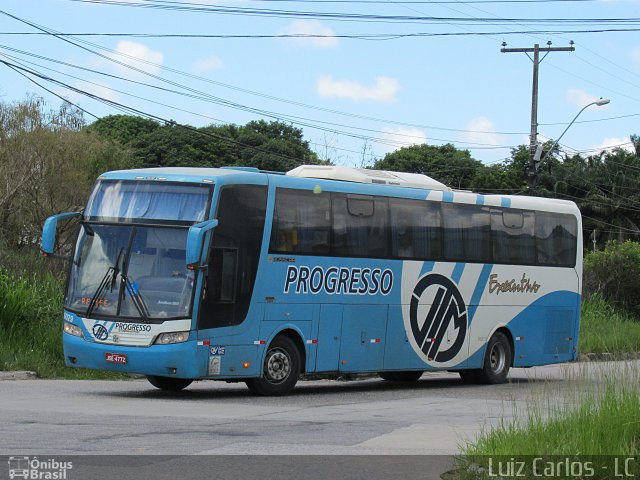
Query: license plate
x=115, y=357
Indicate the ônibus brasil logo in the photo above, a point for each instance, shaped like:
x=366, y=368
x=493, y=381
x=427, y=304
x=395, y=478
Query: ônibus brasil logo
x=447, y=306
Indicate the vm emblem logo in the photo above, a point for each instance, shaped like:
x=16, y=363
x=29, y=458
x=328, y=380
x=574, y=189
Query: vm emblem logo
x=100, y=331
x=447, y=306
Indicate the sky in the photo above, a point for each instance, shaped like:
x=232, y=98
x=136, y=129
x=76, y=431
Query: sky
x=361, y=78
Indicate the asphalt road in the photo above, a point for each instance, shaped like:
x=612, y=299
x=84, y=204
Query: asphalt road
x=433, y=416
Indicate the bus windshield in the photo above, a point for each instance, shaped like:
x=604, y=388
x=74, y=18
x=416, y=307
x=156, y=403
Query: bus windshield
x=130, y=271
x=126, y=200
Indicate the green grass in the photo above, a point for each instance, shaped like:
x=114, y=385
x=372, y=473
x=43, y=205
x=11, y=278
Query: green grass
x=606, y=329
x=604, y=423
x=31, y=327
x=586, y=424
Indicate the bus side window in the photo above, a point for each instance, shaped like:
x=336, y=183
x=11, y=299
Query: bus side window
x=556, y=239
x=467, y=233
x=301, y=222
x=416, y=230
x=360, y=225
x=513, y=239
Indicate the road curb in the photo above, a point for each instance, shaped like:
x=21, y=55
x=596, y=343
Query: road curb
x=18, y=375
x=608, y=357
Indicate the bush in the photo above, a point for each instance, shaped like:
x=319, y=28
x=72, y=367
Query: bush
x=614, y=273
x=30, y=323
x=603, y=329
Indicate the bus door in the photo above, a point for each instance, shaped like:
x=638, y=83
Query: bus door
x=363, y=338
x=329, y=333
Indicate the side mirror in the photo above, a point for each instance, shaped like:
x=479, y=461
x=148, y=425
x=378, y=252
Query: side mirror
x=49, y=231
x=195, y=239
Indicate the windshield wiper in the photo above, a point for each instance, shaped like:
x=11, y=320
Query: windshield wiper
x=109, y=278
x=136, y=298
x=126, y=286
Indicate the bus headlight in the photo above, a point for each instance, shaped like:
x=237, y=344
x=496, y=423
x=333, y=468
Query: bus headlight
x=72, y=329
x=172, y=337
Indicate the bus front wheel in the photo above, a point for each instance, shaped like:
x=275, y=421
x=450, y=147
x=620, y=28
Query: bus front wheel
x=497, y=362
x=168, y=383
x=280, y=371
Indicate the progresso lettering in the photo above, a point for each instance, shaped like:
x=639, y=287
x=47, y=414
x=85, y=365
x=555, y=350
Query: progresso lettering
x=338, y=281
x=132, y=327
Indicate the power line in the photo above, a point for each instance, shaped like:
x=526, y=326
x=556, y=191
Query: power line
x=135, y=111
x=353, y=17
x=594, y=83
x=610, y=224
x=592, y=121
x=410, y=2
x=224, y=85
x=356, y=36
x=281, y=117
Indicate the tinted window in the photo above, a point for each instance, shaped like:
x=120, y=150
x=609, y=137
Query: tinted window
x=513, y=238
x=360, y=226
x=135, y=200
x=467, y=233
x=415, y=229
x=301, y=223
x=234, y=255
x=556, y=239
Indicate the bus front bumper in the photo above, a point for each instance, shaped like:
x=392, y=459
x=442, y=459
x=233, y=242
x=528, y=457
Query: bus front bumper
x=180, y=360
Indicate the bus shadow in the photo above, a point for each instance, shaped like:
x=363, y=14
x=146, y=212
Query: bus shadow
x=214, y=390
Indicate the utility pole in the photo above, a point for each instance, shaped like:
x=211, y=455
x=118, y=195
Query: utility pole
x=535, y=150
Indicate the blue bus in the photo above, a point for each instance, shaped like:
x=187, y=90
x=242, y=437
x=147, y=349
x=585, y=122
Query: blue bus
x=234, y=274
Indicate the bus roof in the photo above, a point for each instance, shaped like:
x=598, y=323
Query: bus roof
x=397, y=184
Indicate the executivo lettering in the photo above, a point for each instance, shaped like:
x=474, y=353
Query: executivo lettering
x=525, y=285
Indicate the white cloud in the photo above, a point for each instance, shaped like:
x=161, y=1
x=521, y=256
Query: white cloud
x=137, y=55
x=580, y=98
x=304, y=28
x=482, y=131
x=404, y=136
x=102, y=90
x=611, y=142
x=384, y=89
x=207, y=64
x=398, y=137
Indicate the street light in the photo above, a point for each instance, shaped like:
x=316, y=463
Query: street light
x=538, y=154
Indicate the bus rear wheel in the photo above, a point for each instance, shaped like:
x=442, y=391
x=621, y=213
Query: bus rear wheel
x=497, y=362
x=407, y=377
x=169, y=384
x=280, y=371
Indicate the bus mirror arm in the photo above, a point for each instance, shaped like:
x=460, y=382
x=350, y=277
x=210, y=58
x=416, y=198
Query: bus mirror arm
x=195, y=240
x=49, y=231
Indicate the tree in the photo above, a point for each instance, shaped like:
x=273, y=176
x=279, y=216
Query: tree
x=124, y=129
x=455, y=168
x=48, y=164
x=264, y=145
x=274, y=146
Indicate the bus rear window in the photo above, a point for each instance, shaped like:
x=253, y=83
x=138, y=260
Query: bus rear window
x=131, y=200
x=556, y=239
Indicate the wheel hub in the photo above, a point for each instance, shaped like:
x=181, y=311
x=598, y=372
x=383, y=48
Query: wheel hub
x=497, y=358
x=278, y=366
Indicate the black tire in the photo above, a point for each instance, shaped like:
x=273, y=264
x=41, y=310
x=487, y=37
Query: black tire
x=169, y=384
x=280, y=370
x=470, y=376
x=407, y=377
x=497, y=361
